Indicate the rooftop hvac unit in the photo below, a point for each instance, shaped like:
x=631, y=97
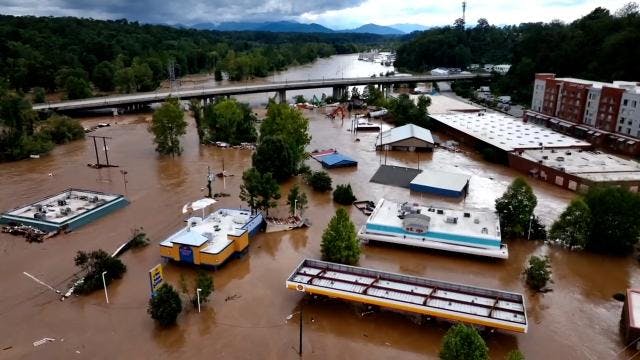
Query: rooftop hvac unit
x=476, y=221
x=451, y=220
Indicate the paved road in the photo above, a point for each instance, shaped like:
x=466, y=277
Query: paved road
x=186, y=94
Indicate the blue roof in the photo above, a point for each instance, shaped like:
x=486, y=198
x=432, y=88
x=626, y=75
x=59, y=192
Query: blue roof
x=337, y=159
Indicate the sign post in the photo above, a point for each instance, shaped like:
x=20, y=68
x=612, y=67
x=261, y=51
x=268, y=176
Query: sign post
x=155, y=278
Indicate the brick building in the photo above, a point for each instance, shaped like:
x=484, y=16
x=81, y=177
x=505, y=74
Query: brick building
x=606, y=114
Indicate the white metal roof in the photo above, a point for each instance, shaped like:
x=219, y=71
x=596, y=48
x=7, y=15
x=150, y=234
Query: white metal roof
x=405, y=132
x=506, y=132
x=441, y=180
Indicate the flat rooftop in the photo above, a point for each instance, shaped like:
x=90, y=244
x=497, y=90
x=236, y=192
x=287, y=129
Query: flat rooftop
x=441, y=104
x=394, y=175
x=213, y=231
x=441, y=180
x=474, y=223
x=496, y=308
x=591, y=165
x=506, y=132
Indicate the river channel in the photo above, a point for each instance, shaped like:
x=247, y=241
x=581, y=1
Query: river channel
x=246, y=316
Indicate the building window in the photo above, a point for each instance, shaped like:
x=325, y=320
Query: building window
x=625, y=102
x=628, y=131
x=621, y=120
x=619, y=128
x=634, y=103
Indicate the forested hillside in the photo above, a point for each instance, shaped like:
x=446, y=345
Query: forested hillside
x=81, y=56
x=599, y=46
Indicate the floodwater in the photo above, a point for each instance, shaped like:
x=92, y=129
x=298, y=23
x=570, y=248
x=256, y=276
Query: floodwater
x=246, y=316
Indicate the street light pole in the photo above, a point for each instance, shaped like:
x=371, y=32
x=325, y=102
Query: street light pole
x=295, y=206
x=529, y=233
x=104, y=283
x=300, y=342
x=198, y=293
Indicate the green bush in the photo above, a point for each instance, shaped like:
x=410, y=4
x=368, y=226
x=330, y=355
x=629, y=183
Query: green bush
x=343, y=194
x=93, y=264
x=165, y=305
x=514, y=355
x=463, y=342
x=62, y=129
x=339, y=240
x=320, y=181
x=538, y=273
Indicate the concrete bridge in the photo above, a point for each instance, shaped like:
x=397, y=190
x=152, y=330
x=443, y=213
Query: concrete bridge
x=339, y=86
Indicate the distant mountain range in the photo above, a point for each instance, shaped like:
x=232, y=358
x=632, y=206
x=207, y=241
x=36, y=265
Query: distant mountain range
x=292, y=26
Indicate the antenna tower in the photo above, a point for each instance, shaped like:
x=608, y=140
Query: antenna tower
x=464, y=8
x=172, y=74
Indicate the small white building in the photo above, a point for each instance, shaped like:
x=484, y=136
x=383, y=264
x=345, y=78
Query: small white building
x=487, y=67
x=473, y=67
x=409, y=137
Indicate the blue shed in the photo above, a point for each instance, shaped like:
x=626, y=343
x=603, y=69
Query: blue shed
x=336, y=160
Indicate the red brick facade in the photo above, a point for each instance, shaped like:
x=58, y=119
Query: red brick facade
x=573, y=102
x=551, y=92
x=610, y=99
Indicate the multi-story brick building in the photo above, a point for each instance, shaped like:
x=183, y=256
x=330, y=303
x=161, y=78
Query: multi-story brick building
x=606, y=114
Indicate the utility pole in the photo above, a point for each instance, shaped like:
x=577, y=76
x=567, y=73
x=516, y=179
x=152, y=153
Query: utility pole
x=209, y=181
x=464, y=8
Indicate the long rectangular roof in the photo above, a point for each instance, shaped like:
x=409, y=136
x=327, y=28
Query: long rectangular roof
x=493, y=308
x=441, y=180
x=506, y=132
x=405, y=132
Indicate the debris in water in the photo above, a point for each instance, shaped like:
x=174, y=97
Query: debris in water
x=42, y=341
x=233, y=297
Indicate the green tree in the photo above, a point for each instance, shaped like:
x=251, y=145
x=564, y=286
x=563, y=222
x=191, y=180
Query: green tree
x=538, y=273
x=514, y=355
x=104, y=76
x=125, y=80
x=77, y=88
x=515, y=208
x=296, y=199
x=573, y=226
x=374, y=96
x=299, y=99
x=320, y=181
x=355, y=93
x=204, y=282
x=229, y=121
x=339, y=241
x=167, y=126
x=62, y=129
x=273, y=155
x=614, y=225
x=196, y=107
x=38, y=95
x=92, y=265
x=291, y=125
x=462, y=342
x=259, y=190
x=165, y=306
x=343, y=194
x=142, y=76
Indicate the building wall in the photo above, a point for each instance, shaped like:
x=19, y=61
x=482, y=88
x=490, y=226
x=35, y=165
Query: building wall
x=560, y=178
x=551, y=93
x=608, y=107
x=591, y=109
x=572, y=101
x=538, y=95
x=629, y=115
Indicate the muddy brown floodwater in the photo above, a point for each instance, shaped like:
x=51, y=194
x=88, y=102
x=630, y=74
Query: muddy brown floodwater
x=245, y=318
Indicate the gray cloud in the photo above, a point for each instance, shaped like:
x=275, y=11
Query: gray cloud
x=176, y=11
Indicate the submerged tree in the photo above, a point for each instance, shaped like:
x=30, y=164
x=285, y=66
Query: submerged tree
x=573, y=226
x=462, y=342
x=297, y=200
x=343, y=194
x=230, y=121
x=165, y=305
x=515, y=208
x=320, y=181
x=92, y=265
x=538, y=273
x=274, y=155
x=291, y=126
x=167, y=126
x=339, y=240
x=259, y=190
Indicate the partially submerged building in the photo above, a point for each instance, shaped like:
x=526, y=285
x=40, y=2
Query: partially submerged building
x=67, y=210
x=468, y=232
x=441, y=183
x=577, y=169
x=408, y=137
x=630, y=318
x=211, y=240
x=495, y=309
x=330, y=159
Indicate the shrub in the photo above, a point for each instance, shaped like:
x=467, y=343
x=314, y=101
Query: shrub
x=538, y=273
x=139, y=238
x=93, y=264
x=463, y=342
x=320, y=181
x=515, y=355
x=343, y=195
x=62, y=129
x=165, y=306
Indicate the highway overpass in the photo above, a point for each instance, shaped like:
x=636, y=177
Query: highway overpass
x=338, y=85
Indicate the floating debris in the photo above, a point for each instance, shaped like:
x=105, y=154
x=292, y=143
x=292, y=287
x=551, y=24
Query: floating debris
x=30, y=233
x=43, y=341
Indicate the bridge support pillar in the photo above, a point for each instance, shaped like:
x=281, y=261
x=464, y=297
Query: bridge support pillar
x=386, y=90
x=282, y=96
x=339, y=92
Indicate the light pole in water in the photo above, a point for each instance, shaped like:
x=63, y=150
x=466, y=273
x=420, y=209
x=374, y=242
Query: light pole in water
x=529, y=233
x=198, y=293
x=295, y=206
x=299, y=313
x=104, y=283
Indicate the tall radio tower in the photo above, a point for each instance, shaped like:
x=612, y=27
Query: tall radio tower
x=464, y=8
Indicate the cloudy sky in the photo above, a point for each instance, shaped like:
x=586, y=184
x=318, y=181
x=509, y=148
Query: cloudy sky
x=337, y=14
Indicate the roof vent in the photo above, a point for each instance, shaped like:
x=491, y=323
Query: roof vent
x=476, y=221
x=467, y=215
x=451, y=220
x=440, y=211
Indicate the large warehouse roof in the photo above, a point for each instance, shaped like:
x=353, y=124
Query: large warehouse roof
x=404, y=132
x=441, y=180
x=507, y=133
